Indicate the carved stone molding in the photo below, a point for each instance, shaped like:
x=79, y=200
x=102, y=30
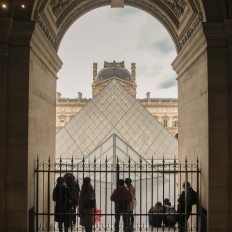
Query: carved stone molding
x=57, y=6
x=39, y=11
x=45, y=29
x=192, y=25
x=177, y=6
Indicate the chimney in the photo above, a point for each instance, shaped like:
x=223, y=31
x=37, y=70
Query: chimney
x=79, y=95
x=58, y=95
x=133, y=71
x=94, y=71
x=148, y=96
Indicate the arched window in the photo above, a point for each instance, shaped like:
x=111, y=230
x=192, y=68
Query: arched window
x=62, y=122
x=165, y=122
x=175, y=123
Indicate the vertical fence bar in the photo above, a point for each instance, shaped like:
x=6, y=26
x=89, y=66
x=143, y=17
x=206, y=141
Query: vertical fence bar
x=140, y=165
x=43, y=197
x=94, y=173
x=146, y=192
x=152, y=183
x=117, y=197
x=106, y=164
x=186, y=187
x=48, y=186
x=174, y=193
x=37, y=194
x=163, y=193
x=197, y=202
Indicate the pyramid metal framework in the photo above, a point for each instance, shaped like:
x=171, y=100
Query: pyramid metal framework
x=115, y=111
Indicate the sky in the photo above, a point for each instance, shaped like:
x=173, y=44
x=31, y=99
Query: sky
x=117, y=34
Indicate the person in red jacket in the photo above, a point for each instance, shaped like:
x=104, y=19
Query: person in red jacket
x=122, y=198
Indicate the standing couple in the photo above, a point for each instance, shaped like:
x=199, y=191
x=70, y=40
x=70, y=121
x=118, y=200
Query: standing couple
x=124, y=198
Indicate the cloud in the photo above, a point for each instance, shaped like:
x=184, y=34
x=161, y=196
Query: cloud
x=149, y=70
x=164, y=46
x=167, y=83
x=153, y=37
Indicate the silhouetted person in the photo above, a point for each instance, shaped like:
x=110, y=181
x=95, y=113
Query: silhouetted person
x=86, y=209
x=169, y=216
x=122, y=198
x=129, y=185
x=182, y=215
x=73, y=185
x=155, y=215
x=62, y=197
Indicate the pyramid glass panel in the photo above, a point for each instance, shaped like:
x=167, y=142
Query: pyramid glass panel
x=115, y=111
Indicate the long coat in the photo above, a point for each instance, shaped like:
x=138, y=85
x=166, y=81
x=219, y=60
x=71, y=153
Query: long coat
x=86, y=214
x=132, y=191
x=62, y=197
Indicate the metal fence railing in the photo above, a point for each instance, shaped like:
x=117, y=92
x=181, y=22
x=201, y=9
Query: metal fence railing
x=154, y=181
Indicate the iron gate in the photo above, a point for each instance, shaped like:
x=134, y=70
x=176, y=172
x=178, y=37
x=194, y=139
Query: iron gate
x=154, y=181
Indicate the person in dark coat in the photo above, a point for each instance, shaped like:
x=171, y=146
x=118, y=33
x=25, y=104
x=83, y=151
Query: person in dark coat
x=62, y=198
x=122, y=198
x=169, y=216
x=155, y=215
x=73, y=185
x=182, y=215
x=86, y=213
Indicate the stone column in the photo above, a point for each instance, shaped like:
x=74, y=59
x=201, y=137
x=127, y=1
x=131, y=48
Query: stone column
x=219, y=54
x=5, y=26
x=204, y=89
x=29, y=66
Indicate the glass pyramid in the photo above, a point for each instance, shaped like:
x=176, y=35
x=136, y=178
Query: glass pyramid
x=115, y=111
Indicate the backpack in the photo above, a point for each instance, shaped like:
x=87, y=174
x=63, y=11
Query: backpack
x=90, y=201
x=170, y=210
x=191, y=197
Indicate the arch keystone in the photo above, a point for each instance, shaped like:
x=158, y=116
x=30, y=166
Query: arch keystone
x=117, y=3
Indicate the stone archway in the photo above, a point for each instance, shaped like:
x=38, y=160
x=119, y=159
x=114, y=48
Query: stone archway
x=30, y=34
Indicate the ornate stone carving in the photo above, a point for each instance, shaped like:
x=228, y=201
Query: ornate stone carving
x=193, y=26
x=45, y=29
x=190, y=31
x=178, y=6
x=39, y=19
x=114, y=64
x=58, y=6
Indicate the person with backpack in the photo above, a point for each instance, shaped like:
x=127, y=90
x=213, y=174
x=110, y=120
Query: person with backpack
x=155, y=215
x=122, y=198
x=73, y=185
x=87, y=205
x=188, y=198
x=169, y=210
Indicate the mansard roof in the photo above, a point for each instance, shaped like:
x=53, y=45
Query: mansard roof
x=107, y=73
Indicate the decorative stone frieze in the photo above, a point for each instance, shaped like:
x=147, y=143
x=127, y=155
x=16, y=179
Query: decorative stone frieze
x=45, y=29
x=177, y=6
x=57, y=6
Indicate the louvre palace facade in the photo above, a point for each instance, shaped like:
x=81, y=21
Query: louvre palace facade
x=165, y=110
